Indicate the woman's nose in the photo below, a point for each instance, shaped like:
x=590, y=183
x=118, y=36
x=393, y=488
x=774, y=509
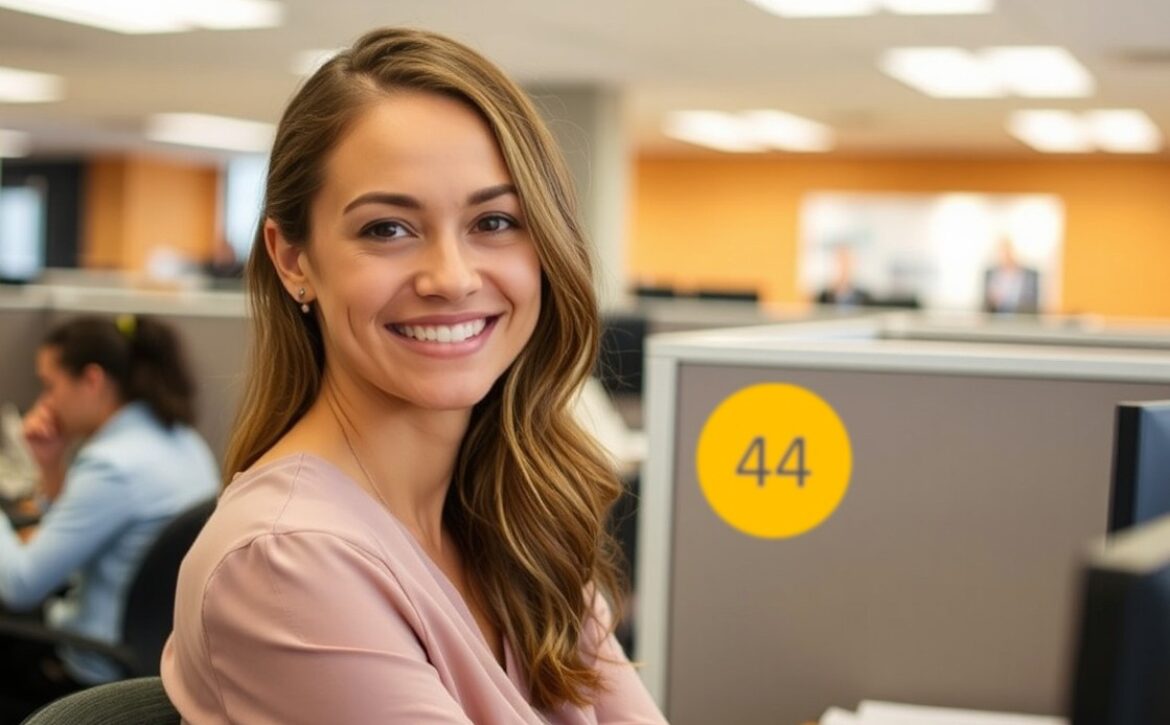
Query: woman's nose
x=447, y=271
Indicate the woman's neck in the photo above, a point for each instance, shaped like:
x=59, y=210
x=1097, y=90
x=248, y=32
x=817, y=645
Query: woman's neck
x=403, y=455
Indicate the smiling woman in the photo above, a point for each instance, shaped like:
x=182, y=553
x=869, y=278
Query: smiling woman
x=414, y=530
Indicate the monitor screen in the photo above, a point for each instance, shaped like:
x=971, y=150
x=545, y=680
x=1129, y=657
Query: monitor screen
x=1141, y=464
x=1122, y=670
x=22, y=233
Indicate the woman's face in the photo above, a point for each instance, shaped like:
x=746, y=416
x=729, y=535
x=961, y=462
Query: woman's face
x=73, y=402
x=419, y=264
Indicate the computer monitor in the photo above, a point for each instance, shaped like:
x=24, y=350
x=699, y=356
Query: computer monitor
x=22, y=234
x=1122, y=670
x=1141, y=464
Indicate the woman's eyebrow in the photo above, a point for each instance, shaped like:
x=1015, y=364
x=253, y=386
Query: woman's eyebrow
x=409, y=202
x=383, y=197
x=491, y=192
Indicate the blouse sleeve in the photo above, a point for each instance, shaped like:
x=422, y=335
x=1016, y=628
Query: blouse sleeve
x=305, y=627
x=624, y=700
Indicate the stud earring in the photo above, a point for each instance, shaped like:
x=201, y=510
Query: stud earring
x=301, y=297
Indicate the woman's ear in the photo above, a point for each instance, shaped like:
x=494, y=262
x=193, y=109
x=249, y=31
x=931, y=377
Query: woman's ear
x=291, y=262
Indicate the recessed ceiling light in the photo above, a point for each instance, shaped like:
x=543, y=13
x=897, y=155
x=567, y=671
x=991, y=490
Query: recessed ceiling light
x=941, y=72
x=1038, y=71
x=216, y=132
x=818, y=8
x=24, y=86
x=156, y=16
x=1123, y=131
x=940, y=7
x=1051, y=131
x=786, y=132
x=14, y=144
x=713, y=129
x=856, y=8
x=1031, y=72
x=748, y=132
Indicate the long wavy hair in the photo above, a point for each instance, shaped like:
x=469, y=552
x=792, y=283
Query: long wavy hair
x=531, y=491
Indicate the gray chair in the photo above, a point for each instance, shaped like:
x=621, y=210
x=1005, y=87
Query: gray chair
x=139, y=701
x=150, y=602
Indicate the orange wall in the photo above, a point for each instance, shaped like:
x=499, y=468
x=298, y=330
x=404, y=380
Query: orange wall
x=135, y=204
x=733, y=222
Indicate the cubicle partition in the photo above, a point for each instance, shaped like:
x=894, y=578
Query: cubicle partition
x=211, y=325
x=946, y=575
x=22, y=323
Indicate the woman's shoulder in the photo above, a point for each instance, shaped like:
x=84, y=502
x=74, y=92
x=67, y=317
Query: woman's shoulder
x=298, y=495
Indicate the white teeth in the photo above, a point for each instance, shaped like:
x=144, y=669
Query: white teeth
x=443, y=333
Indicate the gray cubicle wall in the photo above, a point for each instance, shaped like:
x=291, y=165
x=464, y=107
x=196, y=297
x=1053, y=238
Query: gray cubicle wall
x=22, y=324
x=947, y=575
x=213, y=328
x=215, y=339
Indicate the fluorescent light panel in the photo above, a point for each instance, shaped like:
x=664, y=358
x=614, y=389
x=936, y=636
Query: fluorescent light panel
x=713, y=129
x=1038, y=72
x=818, y=8
x=787, y=132
x=216, y=132
x=24, y=86
x=1050, y=131
x=1115, y=130
x=1031, y=72
x=940, y=72
x=1123, y=131
x=939, y=7
x=156, y=16
x=856, y=8
x=14, y=144
x=751, y=131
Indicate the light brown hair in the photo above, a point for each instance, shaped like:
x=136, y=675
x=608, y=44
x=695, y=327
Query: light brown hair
x=531, y=491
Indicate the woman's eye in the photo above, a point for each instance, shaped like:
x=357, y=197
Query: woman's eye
x=494, y=223
x=385, y=230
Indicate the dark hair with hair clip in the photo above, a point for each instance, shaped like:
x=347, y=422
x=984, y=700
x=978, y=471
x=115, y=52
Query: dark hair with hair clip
x=142, y=356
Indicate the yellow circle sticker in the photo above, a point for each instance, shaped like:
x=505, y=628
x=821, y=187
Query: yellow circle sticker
x=774, y=460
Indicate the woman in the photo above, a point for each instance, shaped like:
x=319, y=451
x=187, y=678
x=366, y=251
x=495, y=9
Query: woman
x=120, y=390
x=416, y=534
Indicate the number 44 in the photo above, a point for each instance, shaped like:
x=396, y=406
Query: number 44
x=757, y=454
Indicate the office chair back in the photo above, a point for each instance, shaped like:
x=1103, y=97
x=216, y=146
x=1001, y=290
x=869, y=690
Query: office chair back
x=150, y=603
x=141, y=701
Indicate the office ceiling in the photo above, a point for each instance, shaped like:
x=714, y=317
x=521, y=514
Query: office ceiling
x=662, y=54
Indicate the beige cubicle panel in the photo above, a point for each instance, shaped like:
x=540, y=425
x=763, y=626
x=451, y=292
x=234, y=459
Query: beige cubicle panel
x=22, y=325
x=945, y=577
x=213, y=328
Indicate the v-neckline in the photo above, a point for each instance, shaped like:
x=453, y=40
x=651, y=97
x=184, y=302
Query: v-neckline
x=449, y=589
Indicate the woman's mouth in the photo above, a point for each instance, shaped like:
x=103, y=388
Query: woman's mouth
x=449, y=334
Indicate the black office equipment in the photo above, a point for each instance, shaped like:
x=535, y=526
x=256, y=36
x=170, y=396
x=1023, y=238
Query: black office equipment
x=1141, y=464
x=620, y=353
x=730, y=295
x=1122, y=669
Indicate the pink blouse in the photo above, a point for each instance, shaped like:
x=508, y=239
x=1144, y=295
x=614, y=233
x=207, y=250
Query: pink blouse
x=304, y=601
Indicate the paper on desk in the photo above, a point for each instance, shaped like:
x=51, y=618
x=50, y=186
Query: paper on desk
x=837, y=716
x=18, y=473
x=873, y=712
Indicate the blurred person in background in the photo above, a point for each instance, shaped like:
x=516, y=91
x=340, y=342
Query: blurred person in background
x=118, y=393
x=843, y=290
x=1008, y=286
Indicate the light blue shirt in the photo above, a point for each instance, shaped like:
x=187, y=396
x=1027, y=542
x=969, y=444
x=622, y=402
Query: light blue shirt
x=128, y=480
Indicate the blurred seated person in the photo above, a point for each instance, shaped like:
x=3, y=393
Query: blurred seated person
x=119, y=393
x=844, y=291
x=1009, y=287
x=223, y=263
